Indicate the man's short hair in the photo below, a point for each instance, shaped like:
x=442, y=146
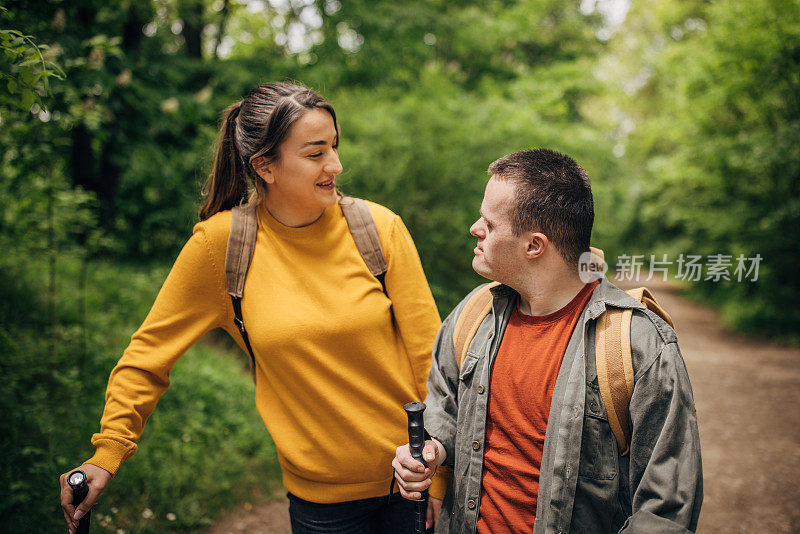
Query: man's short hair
x=552, y=196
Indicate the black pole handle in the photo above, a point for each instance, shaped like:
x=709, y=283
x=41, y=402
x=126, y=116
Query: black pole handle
x=416, y=441
x=77, y=481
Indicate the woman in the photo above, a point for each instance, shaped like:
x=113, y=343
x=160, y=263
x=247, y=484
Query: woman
x=336, y=357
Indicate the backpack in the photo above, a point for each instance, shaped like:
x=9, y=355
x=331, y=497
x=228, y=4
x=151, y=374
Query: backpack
x=612, y=351
x=242, y=243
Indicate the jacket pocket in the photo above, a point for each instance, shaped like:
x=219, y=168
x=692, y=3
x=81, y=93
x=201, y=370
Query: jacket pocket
x=468, y=366
x=598, y=446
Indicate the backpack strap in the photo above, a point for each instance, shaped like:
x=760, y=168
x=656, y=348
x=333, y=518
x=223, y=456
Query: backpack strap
x=365, y=234
x=241, y=244
x=472, y=315
x=599, y=253
x=615, y=363
x=645, y=296
x=615, y=371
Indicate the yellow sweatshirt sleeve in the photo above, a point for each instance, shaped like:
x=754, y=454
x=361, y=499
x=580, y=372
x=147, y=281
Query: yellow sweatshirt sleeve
x=412, y=302
x=191, y=302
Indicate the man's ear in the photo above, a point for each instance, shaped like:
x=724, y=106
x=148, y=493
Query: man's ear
x=263, y=168
x=537, y=244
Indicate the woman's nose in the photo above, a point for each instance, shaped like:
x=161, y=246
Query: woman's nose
x=333, y=166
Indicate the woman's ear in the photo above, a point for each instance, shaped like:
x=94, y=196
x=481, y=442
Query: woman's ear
x=263, y=169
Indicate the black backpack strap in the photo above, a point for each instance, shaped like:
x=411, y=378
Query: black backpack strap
x=239, y=322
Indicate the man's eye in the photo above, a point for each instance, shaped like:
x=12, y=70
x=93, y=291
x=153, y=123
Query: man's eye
x=318, y=154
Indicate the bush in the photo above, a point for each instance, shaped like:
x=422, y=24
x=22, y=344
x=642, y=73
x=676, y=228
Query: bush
x=204, y=449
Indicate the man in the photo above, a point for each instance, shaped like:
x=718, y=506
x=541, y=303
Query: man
x=522, y=421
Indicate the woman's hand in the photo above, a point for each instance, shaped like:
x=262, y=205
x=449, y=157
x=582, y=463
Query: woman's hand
x=434, y=507
x=97, y=478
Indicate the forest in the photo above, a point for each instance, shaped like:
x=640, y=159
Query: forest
x=685, y=113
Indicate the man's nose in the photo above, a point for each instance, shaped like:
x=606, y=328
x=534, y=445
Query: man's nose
x=476, y=230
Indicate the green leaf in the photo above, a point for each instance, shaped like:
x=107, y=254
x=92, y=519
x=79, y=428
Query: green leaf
x=29, y=62
x=27, y=76
x=12, y=86
x=28, y=98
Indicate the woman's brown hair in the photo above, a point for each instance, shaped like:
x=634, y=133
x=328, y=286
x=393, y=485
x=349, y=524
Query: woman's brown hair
x=252, y=128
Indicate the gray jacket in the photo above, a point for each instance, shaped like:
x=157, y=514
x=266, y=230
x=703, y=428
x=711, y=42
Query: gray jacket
x=585, y=485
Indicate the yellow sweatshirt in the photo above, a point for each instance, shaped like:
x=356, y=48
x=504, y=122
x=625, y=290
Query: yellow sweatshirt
x=332, y=371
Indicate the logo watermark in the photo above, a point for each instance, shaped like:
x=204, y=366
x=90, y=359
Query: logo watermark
x=687, y=267
x=591, y=267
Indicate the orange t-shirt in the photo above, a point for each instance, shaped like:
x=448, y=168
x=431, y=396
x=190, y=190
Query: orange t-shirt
x=523, y=377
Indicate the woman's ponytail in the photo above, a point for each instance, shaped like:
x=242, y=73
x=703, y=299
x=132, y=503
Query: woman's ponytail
x=227, y=184
x=254, y=128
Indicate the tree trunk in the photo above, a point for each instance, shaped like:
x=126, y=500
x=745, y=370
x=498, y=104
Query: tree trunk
x=191, y=12
x=82, y=159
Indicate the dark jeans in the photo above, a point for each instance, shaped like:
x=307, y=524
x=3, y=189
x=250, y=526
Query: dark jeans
x=365, y=516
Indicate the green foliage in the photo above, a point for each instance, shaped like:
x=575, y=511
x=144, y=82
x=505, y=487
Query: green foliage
x=203, y=450
x=24, y=69
x=685, y=117
x=424, y=154
x=714, y=153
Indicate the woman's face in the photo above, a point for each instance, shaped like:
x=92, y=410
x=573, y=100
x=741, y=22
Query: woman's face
x=300, y=183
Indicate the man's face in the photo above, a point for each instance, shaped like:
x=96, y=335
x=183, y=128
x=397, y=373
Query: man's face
x=499, y=254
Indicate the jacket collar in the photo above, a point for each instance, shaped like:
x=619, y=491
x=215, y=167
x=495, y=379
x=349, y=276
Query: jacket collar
x=604, y=295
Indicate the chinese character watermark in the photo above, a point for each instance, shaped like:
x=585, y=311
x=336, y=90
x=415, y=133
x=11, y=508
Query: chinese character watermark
x=686, y=267
x=752, y=270
x=661, y=266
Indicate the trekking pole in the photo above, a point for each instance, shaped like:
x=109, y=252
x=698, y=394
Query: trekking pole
x=416, y=441
x=77, y=481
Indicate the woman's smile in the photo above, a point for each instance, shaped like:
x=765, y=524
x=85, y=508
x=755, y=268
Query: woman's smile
x=327, y=185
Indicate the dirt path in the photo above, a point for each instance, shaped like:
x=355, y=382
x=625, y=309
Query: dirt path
x=747, y=394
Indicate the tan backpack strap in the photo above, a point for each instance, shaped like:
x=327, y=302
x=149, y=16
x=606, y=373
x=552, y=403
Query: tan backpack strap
x=615, y=362
x=475, y=309
x=598, y=252
x=615, y=371
x=241, y=244
x=643, y=295
x=365, y=234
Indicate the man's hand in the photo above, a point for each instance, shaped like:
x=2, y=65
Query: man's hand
x=412, y=477
x=97, y=478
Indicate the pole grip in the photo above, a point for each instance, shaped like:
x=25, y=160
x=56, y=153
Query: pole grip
x=416, y=441
x=77, y=481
